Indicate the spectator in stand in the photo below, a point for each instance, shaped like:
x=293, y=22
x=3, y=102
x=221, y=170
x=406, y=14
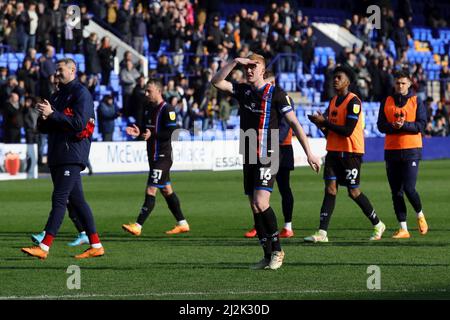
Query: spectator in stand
x=138, y=100
x=111, y=12
x=440, y=129
x=287, y=15
x=387, y=24
x=57, y=17
x=164, y=67
x=106, y=114
x=444, y=78
x=419, y=80
x=47, y=69
x=78, y=32
x=363, y=79
x=177, y=37
x=309, y=44
x=405, y=11
x=30, y=75
x=7, y=89
x=31, y=26
x=3, y=77
x=30, y=116
x=429, y=105
x=244, y=24
x=92, y=61
x=138, y=29
x=215, y=36
x=12, y=119
x=328, y=89
x=265, y=49
x=106, y=56
x=69, y=38
x=123, y=23
x=400, y=36
x=21, y=21
x=128, y=77
x=428, y=130
x=287, y=48
x=375, y=75
x=224, y=111
x=44, y=28
x=441, y=111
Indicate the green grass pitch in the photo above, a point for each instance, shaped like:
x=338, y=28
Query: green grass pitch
x=212, y=261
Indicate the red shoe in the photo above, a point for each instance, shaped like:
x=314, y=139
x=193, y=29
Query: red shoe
x=251, y=233
x=286, y=233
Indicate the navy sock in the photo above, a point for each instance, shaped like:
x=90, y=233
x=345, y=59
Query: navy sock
x=174, y=205
x=270, y=224
x=367, y=208
x=262, y=235
x=329, y=201
x=147, y=208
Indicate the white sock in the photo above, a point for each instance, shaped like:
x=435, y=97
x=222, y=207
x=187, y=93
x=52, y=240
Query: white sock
x=420, y=214
x=83, y=233
x=322, y=232
x=44, y=247
x=182, y=223
x=288, y=225
x=138, y=225
x=403, y=226
x=96, y=245
x=379, y=224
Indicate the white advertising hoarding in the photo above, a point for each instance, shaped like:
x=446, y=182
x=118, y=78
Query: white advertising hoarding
x=18, y=161
x=218, y=155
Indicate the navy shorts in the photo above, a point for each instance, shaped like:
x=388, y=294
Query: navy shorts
x=159, y=175
x=258, y=177
x=287, y=157
x=345, y=168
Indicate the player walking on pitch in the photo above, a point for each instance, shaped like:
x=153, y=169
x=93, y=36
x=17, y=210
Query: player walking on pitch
x=160, y=122
x=343, y=126
x=284, y=172
x=68, y=120
x=261, y=105
x=403, y=118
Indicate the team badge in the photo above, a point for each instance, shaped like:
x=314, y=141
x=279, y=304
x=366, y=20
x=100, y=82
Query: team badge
x=172, y=115
x=356, y=108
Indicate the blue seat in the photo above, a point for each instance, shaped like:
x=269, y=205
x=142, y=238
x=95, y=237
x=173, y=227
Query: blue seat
x=79, y=58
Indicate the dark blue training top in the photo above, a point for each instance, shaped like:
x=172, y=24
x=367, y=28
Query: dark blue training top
x=69, y=140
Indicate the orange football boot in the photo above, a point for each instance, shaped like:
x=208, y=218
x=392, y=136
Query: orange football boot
x=179, y=229
x=35, y=251
x=91, y=253
x=132, y=228
x=251, y=233
x=286, y=233
x=423, y=225
x=401, y=234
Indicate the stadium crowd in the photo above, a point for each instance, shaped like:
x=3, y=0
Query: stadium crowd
x=195, y=37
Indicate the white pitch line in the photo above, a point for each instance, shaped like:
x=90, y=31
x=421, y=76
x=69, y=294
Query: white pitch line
x=163, y=294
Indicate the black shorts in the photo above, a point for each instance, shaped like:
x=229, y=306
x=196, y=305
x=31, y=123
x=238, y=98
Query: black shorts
x=287, y=157
x=345, y=168
x=258, y=177
x=159, y=175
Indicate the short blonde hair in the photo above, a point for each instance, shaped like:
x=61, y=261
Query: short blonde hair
x=257, y=57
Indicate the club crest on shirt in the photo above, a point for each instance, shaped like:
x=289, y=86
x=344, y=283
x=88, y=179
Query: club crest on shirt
x=356, y=108
x=172, y=115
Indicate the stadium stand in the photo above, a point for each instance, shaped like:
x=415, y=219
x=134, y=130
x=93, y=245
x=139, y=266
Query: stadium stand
x=194, y=48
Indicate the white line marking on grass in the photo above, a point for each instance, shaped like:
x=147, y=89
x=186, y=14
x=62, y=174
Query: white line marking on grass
x=164, y=294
